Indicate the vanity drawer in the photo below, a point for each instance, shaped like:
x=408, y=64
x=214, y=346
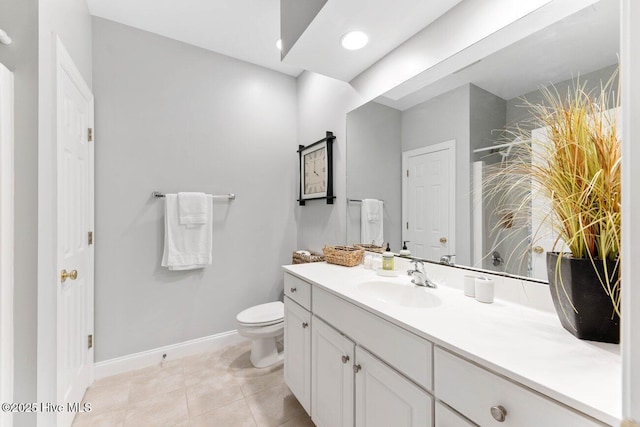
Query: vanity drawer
x=298, y=290
x=406, y=352
x=473, y=391
x=447, y=417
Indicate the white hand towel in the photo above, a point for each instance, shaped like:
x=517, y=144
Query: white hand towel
x=186, y=247
x=192, y=208
x=371, y=221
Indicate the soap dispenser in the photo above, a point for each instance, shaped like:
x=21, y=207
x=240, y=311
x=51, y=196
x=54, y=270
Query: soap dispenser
x=405, y=251
x=387, y=259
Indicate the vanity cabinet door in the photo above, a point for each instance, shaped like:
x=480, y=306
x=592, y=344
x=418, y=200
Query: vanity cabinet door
x=297, y=353
x=332, y=360
x=385, y=398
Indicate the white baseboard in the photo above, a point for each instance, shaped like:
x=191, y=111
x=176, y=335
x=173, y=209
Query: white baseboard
x=153, y=357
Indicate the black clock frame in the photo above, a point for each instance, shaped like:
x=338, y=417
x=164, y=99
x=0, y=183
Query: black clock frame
x=329, y=197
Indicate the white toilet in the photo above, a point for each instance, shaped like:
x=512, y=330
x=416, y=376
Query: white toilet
x=263, y=324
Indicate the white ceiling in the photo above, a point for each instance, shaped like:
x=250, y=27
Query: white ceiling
x=584, y=42
x=242, y=29
x=387, y=23
x=248, y=29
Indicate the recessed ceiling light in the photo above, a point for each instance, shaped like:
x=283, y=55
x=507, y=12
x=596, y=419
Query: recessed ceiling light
x=279, y=44
x=354, y=40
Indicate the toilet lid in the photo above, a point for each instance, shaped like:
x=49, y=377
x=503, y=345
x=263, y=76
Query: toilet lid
x=263, y=314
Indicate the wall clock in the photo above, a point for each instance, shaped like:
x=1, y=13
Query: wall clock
x=316, y=170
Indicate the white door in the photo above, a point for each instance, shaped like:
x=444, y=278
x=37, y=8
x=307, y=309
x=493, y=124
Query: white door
x=75, y=246
x=332, y=360
x=6, y=242
x=429, y=201
x=297, y=354
x=385, y=398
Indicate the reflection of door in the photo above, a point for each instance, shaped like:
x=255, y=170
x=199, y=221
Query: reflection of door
x=543, y=235
x=428, y=203
x=75, y=222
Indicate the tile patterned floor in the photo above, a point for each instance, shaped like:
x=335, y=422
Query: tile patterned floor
x=206, y=390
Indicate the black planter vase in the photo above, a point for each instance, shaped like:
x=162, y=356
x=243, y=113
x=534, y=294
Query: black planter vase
x=594, y=318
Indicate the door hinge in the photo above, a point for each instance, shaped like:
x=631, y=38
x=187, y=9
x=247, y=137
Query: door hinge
x=90, y=134
x=90, y=237
x=90, y=341
x=407, y=225
x=407, y=173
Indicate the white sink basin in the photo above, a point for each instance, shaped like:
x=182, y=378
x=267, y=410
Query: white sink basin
x=403, y=294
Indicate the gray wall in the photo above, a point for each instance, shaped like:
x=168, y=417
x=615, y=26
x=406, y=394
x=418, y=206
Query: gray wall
x=323, y=104
x=374, y=162
x=172, y=117
x=440, y=119
x=517, y=112
x=20, y=20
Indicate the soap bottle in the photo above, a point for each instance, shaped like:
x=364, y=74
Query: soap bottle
x=387, y=259
x=405, y=251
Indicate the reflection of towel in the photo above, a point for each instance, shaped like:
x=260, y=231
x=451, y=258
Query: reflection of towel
x=371, y=219
x=192, y=208
x=186, y=247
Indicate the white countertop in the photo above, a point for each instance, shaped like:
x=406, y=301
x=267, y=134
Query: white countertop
x=527, y=345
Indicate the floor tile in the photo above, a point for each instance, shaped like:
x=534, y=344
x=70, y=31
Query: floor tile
x=156, y=382
x=106, y=419
x=236, y=414
x=252, y=384
x=169, y=409
x=274, y=407
x=300, y=421
x=209, y=395
x=107, y=397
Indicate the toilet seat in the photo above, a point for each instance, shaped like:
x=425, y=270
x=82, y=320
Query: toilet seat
x=267, y=314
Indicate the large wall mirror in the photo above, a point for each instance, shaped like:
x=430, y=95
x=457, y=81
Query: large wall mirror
x=424, y=153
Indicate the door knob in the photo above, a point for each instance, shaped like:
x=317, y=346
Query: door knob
x=73, y=275
x=443, y=240
x=538, y=249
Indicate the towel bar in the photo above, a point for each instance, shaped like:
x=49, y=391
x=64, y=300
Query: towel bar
x=230, y=196
x=359, y=200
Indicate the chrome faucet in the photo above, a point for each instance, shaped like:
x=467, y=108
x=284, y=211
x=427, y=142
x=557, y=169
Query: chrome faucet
x=419, y=275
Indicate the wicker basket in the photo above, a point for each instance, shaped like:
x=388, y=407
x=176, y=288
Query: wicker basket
x=369, y=247
x=343, y=255
x=304, y=259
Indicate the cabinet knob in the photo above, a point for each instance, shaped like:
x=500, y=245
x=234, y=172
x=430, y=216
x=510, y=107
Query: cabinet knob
x=293, y=290
x=345, y=359
x=538, y=249
x=443, y=240
x=305, y=324
x=499, y=413
x=356, y=368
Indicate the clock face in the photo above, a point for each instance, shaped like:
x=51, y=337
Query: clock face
x=315, y=171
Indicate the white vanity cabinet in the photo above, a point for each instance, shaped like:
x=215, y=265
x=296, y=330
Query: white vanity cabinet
x=350, y=385
x=332, y=386
x=491, y=400
x=297, y=356
x=351, y=365
x=446, y=417
x=386, y=398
